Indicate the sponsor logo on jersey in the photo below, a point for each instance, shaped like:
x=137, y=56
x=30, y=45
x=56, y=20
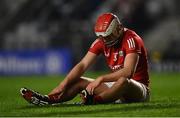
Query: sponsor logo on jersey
x=116, y=67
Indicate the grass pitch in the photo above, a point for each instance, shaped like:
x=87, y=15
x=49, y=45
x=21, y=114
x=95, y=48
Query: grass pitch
x=165, y=99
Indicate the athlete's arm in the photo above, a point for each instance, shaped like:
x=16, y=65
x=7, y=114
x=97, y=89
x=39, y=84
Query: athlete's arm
x=80, y=68
x=127, y=71
x=75, y=73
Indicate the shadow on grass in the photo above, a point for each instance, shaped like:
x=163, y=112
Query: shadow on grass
x=82, y=110
x=31, y=106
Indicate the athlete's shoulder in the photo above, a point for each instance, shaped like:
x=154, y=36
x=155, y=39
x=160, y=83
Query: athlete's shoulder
x=97, y=46
x=129, y=33
x=97, y=42
x=131, y=40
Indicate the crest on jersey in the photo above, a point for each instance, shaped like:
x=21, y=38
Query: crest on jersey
x=121, y=53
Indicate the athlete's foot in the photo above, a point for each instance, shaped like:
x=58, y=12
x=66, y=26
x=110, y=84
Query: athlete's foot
x=34, y=97
x=86, y=98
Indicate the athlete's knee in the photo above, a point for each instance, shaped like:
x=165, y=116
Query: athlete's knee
x=123, y=81
x=82, y=83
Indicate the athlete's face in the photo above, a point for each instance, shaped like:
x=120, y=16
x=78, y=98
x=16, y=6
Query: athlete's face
x=117, y=32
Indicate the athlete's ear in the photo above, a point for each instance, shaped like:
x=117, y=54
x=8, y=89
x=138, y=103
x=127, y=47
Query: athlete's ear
x=120, y=26
x=119, y=29
x=116, y=30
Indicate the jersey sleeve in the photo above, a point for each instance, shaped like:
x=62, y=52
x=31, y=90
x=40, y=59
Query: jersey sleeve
x=96, y=47
x=133, y=44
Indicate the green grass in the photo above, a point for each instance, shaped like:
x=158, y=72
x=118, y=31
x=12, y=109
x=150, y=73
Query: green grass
x=165, y=99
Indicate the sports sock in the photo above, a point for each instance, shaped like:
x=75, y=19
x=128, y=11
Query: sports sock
x=98, y=99
x=54, y=98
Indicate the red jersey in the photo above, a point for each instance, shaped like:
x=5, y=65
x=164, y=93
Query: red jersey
x=115, y=55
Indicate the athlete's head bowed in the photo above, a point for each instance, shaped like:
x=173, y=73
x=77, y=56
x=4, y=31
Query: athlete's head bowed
x=109, y=28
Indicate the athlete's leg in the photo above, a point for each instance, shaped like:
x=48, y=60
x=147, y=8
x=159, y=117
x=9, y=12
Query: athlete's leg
x=71, y=91
x=116, y=91
x=128, y=89
x=77, y=87
x=137, y=92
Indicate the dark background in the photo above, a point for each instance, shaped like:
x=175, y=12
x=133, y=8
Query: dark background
x=54, y=24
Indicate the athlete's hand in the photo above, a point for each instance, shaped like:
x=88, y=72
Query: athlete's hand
x=91, y=86
x=59, y=90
